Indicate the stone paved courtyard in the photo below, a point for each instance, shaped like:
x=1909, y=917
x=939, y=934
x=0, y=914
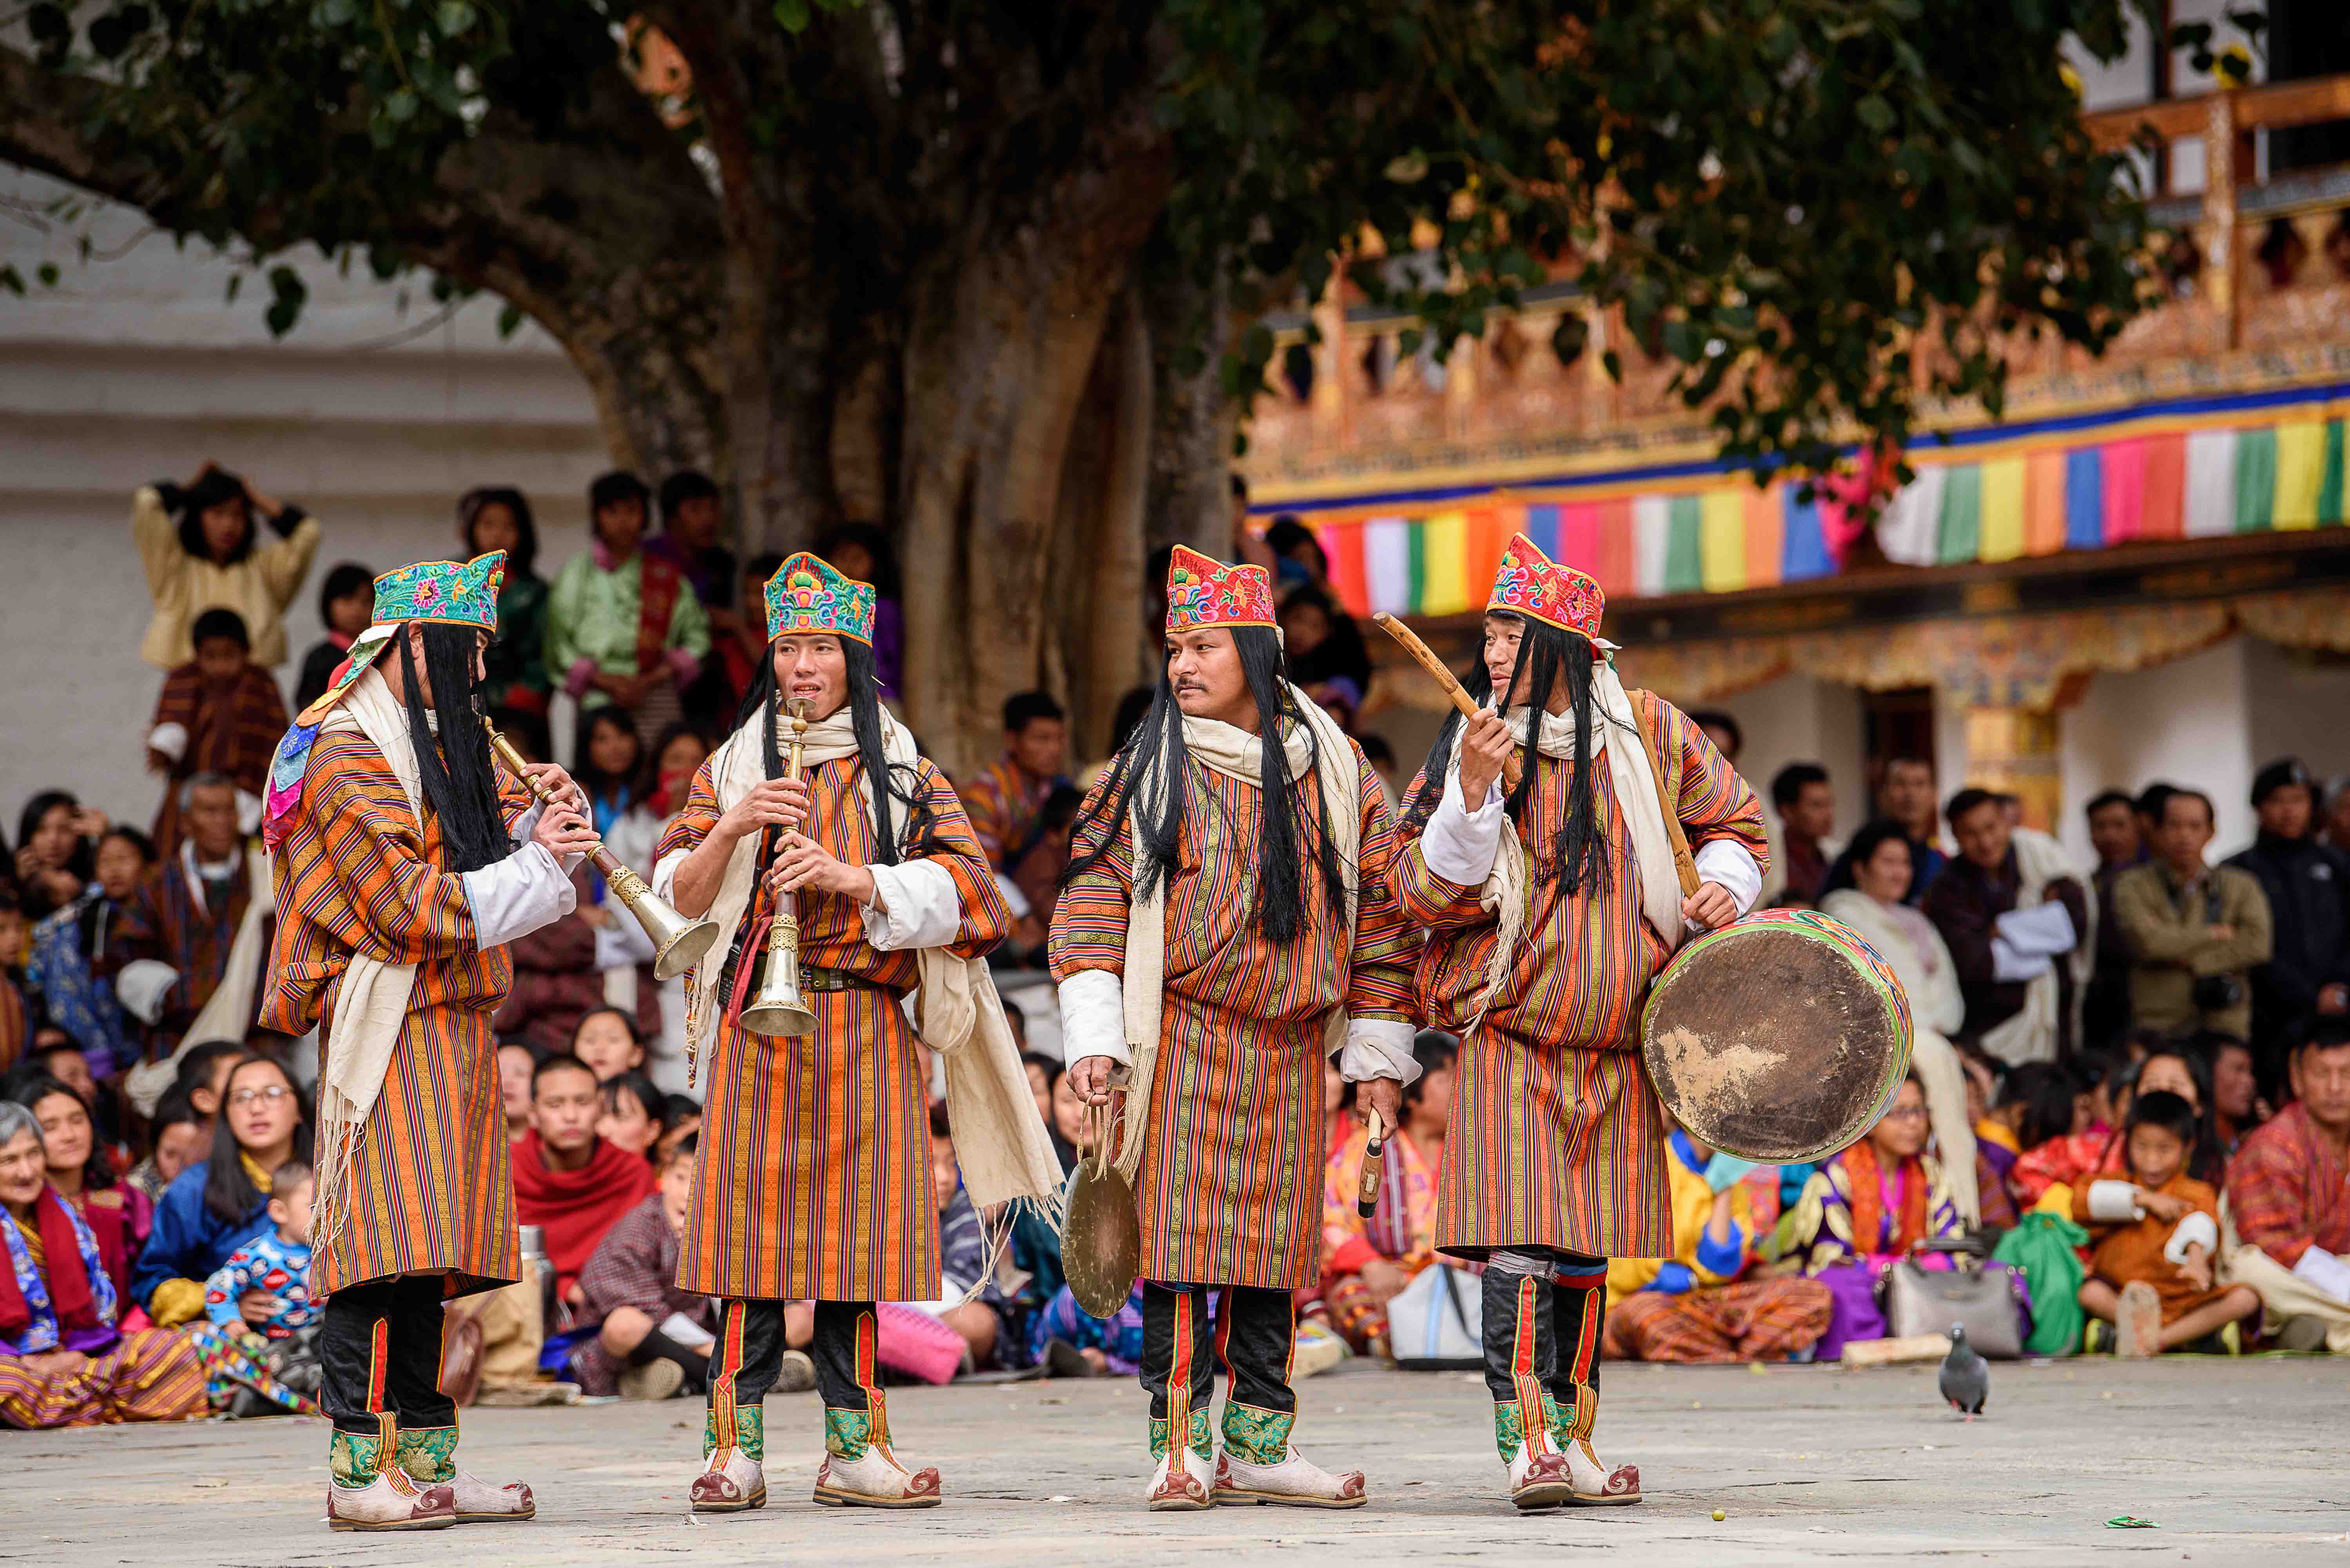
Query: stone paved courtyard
x=2238, y=1462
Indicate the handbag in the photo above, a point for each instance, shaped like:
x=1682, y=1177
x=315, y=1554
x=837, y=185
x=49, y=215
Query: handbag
x=1436, y=1321
x=1980, y=1297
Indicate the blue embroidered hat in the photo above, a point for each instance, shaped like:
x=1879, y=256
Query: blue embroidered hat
x=457, y=594
x=808, y=595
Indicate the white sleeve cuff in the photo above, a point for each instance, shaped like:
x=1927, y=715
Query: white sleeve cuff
x=517, y=895
x=142, y=985
x=664, y=876
x=2113, y=1202
x=622, y=943
x=915, y=904
x=1731, y=868
x=2326, y=1272
x=172, y=740
x=2195, y=1231
x=1378, y=1048
x=1460, y=843
x=1093, y=1017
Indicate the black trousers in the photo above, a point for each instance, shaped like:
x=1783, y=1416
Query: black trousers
x=380, y=1354
x=1251, y=1338
x=1541, y=1336
x=749, y=1354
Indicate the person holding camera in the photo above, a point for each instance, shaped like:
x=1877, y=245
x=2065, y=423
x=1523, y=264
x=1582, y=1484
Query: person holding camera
x=2194, y=932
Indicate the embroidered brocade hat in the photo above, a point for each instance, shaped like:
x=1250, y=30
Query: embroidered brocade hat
x=1530, y=584
x=808, y=595
x=1203, y=592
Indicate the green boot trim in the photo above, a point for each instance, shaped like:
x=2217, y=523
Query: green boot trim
x=1509, y=1431
x=1258, y=1436
x=749, y=1431
x=354, y=1459
x=1202, y=1436
x=429, y=1454
x=847, y=1433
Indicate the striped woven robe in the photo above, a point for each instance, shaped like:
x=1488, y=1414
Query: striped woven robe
x=813, y=1179
x=1230, y=1190
x=1556, y=1139
x=431, y=1188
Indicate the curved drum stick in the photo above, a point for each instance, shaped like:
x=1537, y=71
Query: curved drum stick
x=1445, y=679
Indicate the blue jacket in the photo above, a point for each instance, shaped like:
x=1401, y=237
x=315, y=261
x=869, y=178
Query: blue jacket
x=190, y=1241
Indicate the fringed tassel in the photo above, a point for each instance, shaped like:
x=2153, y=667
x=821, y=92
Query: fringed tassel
x=338, y=1150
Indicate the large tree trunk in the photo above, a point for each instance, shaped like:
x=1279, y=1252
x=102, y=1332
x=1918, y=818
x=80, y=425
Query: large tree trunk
x=1192, y=421
x=1096, y=566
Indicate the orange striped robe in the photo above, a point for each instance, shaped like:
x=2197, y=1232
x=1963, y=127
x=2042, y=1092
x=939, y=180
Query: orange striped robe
x=430, y=1187
x=1556, y=1139
x=1230, y=1186
x=813, y=1175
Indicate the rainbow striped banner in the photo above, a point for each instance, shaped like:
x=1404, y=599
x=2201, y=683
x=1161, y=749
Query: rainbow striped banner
x=2249, y=464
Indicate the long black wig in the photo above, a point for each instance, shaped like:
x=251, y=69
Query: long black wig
x=1159, y=740
x=903, y=792
x=461, y=787
x=1578, y=851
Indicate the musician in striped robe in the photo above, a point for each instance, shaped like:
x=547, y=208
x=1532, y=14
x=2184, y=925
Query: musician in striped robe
x=1225, y=925
x=402, y=864
x=812, y=1179
x=1551, y=905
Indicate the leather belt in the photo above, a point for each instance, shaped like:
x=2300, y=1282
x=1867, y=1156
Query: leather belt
x=812, y=978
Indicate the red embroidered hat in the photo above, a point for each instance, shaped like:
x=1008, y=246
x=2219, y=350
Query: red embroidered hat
x=1530, y=584
x=1203, y=592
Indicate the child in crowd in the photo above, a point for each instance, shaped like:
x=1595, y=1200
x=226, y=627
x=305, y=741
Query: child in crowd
x=346, y=605
x=630, y=1118
x=607, y=1041
x=654, y=1338
x=2156, y=1235
x=220, y=713
x=276, y=1265
x=680, y=1119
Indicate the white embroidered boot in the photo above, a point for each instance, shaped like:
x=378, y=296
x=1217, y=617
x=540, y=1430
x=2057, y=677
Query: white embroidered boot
x=1259, y=1465
x=1537, y=1472
x=1597, y=1482
x=428, y=1456
x=365, y=1493
x=859, y=1471
x=732, y=1478
x=1182, y=1479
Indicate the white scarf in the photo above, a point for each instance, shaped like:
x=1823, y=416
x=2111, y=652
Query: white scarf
x=1000, y=1140
x=2031, y=1034
x=371, y=999
x=1508, y=888
x=1236, y=753
x=227, y=1013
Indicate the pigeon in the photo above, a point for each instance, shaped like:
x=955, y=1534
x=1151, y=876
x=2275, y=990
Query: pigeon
x=1965, y=1380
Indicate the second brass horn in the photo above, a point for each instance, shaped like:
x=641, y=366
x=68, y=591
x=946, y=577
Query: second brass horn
x=678, y=942
x=776, y=1009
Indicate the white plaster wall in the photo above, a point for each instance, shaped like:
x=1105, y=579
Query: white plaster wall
x=136, y=367
x=1796, y=719
x=2185, y=723
x=2300, y=706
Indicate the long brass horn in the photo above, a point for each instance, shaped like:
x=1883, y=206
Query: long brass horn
x=776, y=1009
x=678, y=942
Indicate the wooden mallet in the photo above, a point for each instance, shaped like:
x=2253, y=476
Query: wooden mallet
x=1450, y=682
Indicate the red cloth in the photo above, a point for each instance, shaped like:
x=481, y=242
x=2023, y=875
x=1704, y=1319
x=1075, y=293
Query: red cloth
x=574, y=1207
x=2287, y=1190
x=69, y=1281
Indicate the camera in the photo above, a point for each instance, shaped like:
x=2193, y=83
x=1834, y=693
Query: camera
x=2219, y=993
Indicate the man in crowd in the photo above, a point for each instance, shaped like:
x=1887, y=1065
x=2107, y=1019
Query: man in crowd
x=1006, y=803
x=2014, y=916
x=394, y=846
x=1556, y=1161
x=1905, y=793
x=2114, y=834
x=2308, y=887
x=2289, y=1194
x=1233, y=984
x=567, y=1181
x=174, y=946
x=623, y=624
x=218, y=713
x=1807, y=808
x=2194, y=930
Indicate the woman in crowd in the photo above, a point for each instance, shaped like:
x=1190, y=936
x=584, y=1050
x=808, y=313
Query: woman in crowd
x=605, y=765
x=198, y=543
x=1866, y=1207
x=630, y=1116
x=216, y=1206
x=1921, y=959
x=862, y=553
x=63, y=1360
x=1366, y=1264
x=57, y=843
x=180, y=1135
x=497, y=517
x=346, y=605
x=69, y=949
x=653, y=795
x=624, y=626
x=80, y=1172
